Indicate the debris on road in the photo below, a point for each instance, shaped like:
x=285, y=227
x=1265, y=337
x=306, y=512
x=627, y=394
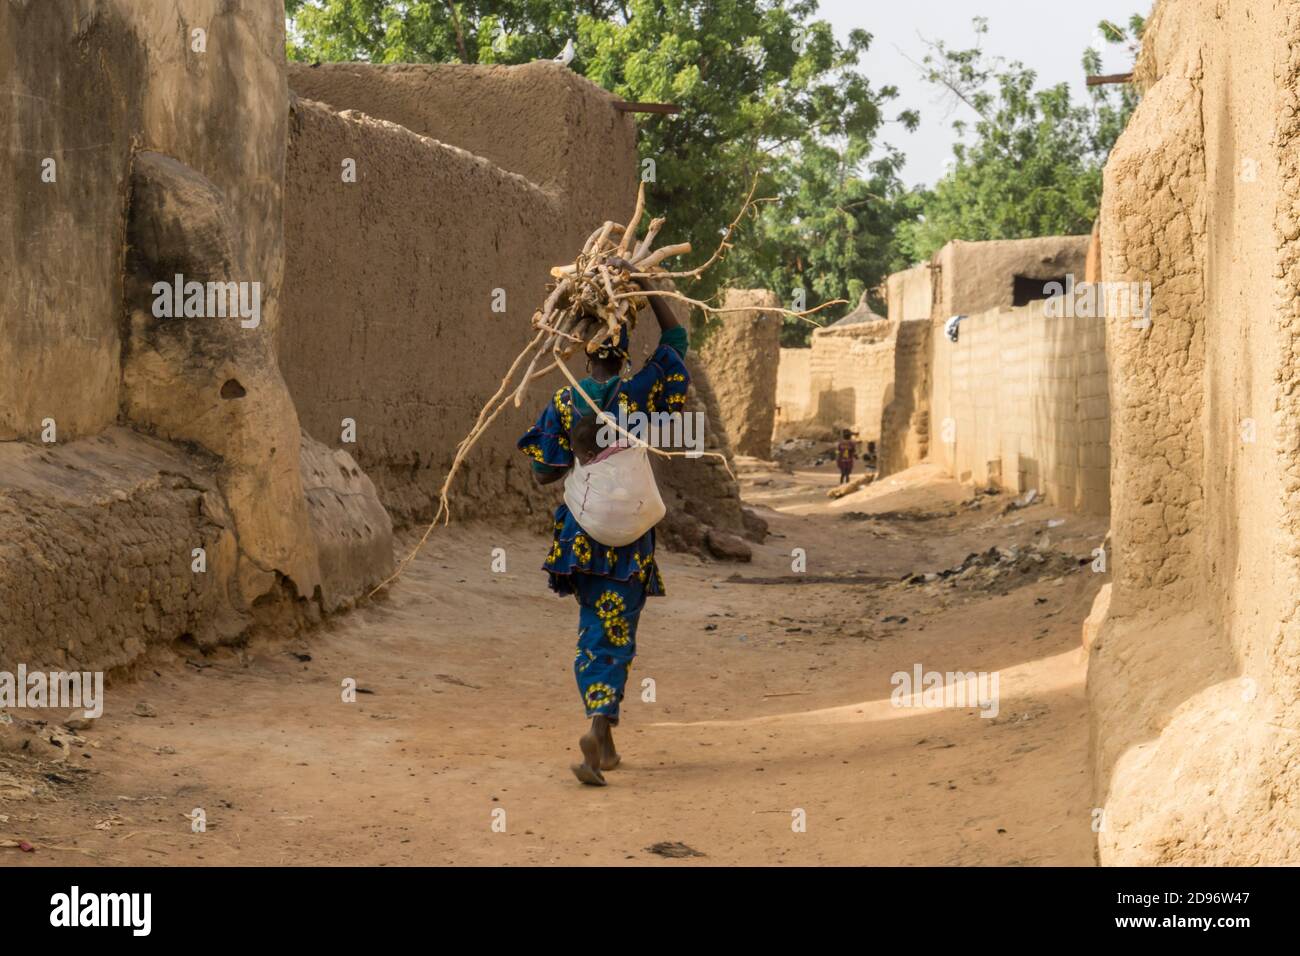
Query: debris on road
x=674, y=851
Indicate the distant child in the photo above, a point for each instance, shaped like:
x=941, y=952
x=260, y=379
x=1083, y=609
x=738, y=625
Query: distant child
x=845, y=452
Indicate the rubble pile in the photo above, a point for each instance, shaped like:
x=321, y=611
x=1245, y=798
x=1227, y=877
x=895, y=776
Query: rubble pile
x=1000, y=568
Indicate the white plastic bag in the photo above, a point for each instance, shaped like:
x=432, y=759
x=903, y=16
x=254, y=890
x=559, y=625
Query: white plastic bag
x=615, y=499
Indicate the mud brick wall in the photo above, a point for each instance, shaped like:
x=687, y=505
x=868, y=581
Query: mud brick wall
x=905, y=421
x=164, y=434
x=741, y=355
x=904, y=426
x=1020, y=400
x=851, y=371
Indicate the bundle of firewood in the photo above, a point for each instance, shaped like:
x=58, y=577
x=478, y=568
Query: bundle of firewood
x=589, y=301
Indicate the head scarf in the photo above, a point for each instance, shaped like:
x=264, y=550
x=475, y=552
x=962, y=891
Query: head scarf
x=609, y=349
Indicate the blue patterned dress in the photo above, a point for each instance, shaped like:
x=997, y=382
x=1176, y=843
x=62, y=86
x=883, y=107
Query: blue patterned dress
x=610, y=583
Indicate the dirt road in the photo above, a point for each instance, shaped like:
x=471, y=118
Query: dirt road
x=770, y=698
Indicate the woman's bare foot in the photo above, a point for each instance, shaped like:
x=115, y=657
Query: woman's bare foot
x=589, y=770
x=609, y=758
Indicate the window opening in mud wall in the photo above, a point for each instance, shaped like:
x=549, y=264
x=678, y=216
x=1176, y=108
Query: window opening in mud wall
x=1025, y=289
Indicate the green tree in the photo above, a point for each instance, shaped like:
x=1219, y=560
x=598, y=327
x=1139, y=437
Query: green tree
x=1032, y=165
x=765, y=90
x=833, y=233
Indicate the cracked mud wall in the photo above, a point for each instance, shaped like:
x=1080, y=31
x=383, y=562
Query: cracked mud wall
x=95, y=552
x=1193, y=676
x=391, y=280
x=102, y=520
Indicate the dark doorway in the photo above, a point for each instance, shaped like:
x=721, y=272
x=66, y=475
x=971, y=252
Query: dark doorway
x=1025, y=289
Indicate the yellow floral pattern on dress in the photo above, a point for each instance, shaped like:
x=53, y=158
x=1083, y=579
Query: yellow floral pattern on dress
x=618, y=632
x=610, y=605
x=581, y=548
x=610, y=608
x=598, y=695
x=564, y=407
x=534, y=452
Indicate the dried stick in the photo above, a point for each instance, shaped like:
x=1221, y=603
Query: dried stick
x=714, y=310
x=633, y=223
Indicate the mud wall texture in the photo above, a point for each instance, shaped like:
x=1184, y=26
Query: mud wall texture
x=905, y=421
x=909, y=294
x=1193, y=675
x=120, y=183
x=741, y=356
x=962, y=278
x=96, y=559
x=408, y=291
x=971, y=277
x=851, y=371
x=792, y=390
x=389, y=290
x=844, y=380
x=540, y=120
x=1020, y=401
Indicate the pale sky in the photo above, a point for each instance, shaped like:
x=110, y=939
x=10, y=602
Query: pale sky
x=1048, y=36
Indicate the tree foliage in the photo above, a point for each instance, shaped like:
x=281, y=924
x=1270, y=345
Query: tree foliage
x=1031, y=162
x=766, y=91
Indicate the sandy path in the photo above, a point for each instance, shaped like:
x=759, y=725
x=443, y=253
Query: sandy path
x=769, y=698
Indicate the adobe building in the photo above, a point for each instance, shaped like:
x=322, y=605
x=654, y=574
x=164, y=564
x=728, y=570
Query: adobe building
x=1194, y=671
x=186, y=480
x=843, y=380
x=1007, y=395
x=741, y=356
